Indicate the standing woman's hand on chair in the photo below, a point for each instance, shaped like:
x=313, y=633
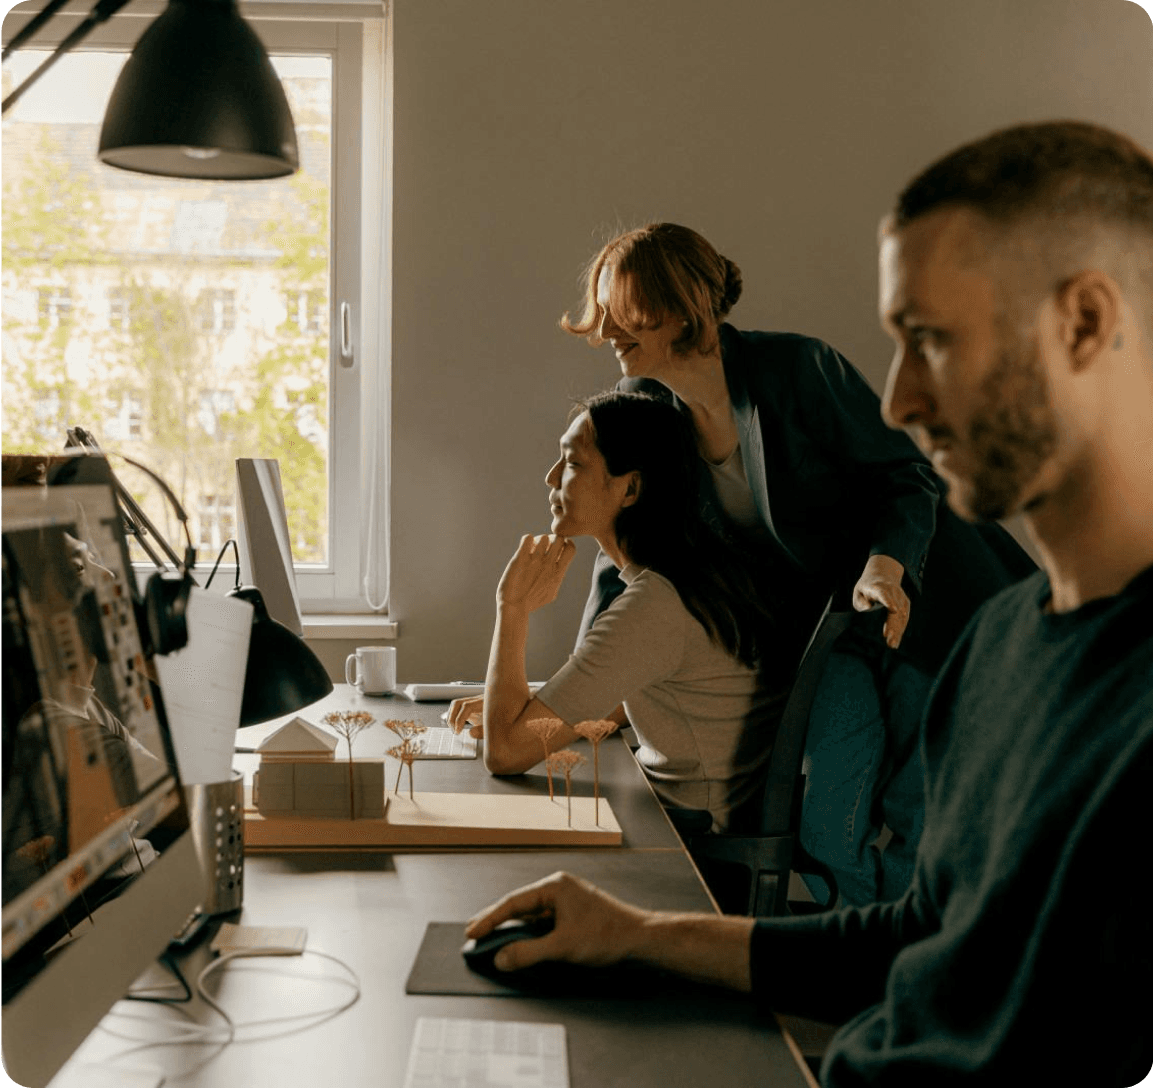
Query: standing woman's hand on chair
x=880, y=583
x=534, y=574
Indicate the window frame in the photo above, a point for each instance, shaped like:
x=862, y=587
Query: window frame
x=355, y=36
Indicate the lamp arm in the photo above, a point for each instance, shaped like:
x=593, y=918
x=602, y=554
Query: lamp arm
x=137, y=523
x=33, y=25
x=103, y=11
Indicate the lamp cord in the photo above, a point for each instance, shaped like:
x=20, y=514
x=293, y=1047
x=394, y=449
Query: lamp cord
x=235, y=548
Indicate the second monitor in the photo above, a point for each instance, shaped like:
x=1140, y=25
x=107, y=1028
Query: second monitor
x=263, y=539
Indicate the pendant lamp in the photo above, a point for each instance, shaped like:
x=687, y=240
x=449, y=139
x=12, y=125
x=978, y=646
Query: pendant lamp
x=199, y=98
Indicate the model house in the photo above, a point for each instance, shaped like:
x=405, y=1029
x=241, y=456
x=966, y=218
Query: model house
x=300, y=775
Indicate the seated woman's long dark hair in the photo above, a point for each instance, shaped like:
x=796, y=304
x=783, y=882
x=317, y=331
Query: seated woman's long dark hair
x=666, y=528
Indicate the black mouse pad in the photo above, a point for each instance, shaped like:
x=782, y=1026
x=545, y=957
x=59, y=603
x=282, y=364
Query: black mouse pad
x=439, y=968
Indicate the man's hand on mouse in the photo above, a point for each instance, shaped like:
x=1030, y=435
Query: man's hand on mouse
x=589, y=925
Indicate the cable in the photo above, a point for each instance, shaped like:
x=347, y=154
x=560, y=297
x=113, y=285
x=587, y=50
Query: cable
x=222, y=1036
x=236, y=549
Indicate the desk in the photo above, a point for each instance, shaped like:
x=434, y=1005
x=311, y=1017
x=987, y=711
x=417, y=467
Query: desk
x=370, y=909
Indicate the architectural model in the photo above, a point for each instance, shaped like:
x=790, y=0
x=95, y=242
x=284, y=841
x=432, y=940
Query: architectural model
x=302, y=775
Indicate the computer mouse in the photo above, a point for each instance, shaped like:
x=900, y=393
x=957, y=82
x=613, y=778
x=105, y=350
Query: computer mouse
x=479, y=952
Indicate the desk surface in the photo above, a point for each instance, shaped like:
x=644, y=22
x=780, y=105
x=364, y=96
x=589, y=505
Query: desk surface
x=370, y=909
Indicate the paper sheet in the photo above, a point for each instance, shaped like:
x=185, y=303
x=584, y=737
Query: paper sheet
x=203, y=685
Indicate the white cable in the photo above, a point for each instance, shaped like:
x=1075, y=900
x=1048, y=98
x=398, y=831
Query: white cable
x=222, y=1036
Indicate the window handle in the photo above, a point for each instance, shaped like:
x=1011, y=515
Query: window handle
x=345, y=334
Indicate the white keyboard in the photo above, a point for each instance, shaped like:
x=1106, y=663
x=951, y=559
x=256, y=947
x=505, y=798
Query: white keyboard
x=449, y=1053
x=445, y=744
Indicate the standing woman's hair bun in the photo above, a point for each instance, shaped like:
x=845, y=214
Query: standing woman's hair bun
x=732, y=288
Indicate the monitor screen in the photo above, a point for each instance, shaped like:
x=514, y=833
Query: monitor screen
x=264, y=546
x=99, y=868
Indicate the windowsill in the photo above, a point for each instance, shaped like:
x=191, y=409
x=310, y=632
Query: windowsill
x=335, y=626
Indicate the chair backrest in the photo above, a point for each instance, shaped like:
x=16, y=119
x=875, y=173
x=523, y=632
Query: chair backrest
x=778, y=810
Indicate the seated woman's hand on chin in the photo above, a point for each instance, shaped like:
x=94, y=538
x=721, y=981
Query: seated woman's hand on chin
x=534, y=574
x=530, y=581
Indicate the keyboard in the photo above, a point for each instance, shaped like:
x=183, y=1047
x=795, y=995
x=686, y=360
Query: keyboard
x=445, y=744
x=487, y=1054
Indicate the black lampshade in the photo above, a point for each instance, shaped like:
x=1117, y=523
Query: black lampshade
x=199, y=98
x=283, y=673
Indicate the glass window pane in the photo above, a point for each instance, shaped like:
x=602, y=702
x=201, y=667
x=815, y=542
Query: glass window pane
x=182, y=322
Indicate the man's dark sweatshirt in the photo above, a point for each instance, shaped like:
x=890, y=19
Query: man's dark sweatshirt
x=1021, y=952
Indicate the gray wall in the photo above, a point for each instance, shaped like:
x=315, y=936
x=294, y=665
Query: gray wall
x=527, y=131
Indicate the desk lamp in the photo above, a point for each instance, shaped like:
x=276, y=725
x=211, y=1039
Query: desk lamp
x=198, y=97
x=283, y=673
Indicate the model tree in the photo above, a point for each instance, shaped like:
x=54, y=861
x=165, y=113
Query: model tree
x=545, y=729
x=564, y=762
x=349, y=724
x=405, y=730
x=594, y=732
x=406, y=751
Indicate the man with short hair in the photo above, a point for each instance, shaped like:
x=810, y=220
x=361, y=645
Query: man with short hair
x=1016, y=277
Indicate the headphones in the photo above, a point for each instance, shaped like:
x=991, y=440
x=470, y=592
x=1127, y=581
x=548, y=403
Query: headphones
x=163, y=613
x=165, y=607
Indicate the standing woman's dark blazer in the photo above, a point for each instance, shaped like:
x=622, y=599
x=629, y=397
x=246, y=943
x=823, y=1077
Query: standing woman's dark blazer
x=834, y=485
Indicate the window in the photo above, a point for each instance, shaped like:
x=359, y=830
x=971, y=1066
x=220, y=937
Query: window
x=54, y=305
x=215, y=523
x=125, y=419
x=216, y=311
x=119, y=309
x=306, y=310
x=186, y=311
x=47, y=408
x=213, y=404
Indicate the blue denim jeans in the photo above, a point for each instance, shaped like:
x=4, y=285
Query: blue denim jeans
x=864, y=770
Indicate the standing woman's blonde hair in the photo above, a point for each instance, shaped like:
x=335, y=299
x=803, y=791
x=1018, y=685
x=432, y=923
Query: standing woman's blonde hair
x=660, y=271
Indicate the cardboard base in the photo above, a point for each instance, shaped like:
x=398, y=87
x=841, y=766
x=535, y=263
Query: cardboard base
x=444, y=819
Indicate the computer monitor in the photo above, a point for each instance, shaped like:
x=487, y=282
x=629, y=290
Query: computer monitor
x=264, y=544
x=99, y=867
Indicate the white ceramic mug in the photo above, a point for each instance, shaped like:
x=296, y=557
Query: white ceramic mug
x=372, y=669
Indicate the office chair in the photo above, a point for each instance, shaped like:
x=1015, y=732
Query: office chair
x=775, y=849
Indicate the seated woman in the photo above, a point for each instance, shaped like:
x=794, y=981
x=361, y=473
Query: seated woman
x=677, y=650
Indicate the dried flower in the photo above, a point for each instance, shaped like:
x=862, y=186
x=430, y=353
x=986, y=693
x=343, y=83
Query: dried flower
x=405, y=730
x=594, y=732
x=545, y=729
x=407, y=752
x=349, y=724
x=565, y=761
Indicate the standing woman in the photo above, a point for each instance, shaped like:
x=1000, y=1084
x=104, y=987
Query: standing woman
x=805, y=471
